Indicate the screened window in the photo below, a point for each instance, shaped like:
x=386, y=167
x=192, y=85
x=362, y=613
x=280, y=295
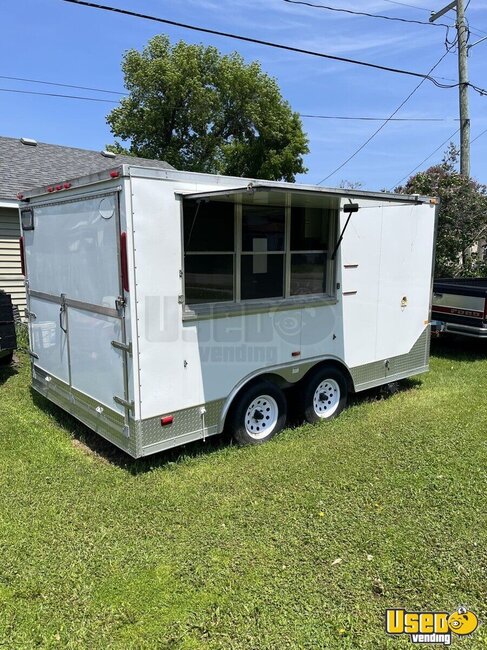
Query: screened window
x=209, y=252
x=262, y=258
x=310, y=233
x=236, y=252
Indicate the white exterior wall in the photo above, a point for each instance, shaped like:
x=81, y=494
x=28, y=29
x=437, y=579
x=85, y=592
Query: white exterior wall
x=385, y=256
x=11, y=278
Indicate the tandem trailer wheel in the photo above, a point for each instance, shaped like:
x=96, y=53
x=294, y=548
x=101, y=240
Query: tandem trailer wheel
x=258, y=413
x=324, y=394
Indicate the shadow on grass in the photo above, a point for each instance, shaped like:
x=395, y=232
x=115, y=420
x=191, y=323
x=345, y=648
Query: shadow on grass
x=371, y=395
x=7, y=371
x=94, y=444
x=459, y=348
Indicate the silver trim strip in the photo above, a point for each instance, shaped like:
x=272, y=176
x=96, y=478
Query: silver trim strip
x=257, y=186
x=247, y=307
x=76, y=199
x=76, y=304
x=44, y=296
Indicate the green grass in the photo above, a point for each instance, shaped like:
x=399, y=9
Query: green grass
x=216, y=546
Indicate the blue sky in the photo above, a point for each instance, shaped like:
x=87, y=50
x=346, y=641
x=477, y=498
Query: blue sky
x=55, y=41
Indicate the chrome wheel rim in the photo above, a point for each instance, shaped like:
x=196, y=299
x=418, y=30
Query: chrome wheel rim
x=326, y=398
x=261, y=417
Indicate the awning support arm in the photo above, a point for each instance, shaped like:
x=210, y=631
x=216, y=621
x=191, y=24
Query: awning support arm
x=350, y=208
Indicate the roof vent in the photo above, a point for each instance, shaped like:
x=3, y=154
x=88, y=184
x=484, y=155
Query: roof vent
x=29, y=141
x=108, y=154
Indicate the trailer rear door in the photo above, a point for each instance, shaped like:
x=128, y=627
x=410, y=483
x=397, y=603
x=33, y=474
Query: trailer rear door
x=76, y=296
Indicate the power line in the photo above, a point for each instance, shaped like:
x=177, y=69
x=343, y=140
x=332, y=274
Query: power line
x=380, y=119
x=248, y=39
x=364, y=13
x=433, y=153
x=429, y=11
x=321, y=117
x=428, y=157
x=377, y=131
x=54, y=83
x=479, y=136
x=32, y=92
x=404, y=4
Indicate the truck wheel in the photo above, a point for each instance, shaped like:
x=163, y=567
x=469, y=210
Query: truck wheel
x=324, y=394
x=258, y=414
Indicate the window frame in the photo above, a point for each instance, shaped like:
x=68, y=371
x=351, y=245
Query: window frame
x=237, y=305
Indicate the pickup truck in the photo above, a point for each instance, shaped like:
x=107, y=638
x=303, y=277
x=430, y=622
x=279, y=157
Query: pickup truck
x=8, y=339
x=460, y=307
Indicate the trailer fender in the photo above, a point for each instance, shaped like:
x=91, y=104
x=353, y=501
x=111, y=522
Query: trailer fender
x=333, y=363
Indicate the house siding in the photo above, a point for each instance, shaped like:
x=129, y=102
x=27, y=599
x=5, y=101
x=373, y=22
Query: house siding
x=11, y=278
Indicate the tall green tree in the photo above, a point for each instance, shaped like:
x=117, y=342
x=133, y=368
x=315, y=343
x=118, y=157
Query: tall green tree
x=462, y=218
x=203, y=111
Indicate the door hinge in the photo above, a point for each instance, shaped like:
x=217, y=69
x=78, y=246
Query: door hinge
x=120, y=303
x=124, y=402
x=181, y=299
x=126, y=347
x=33, y=355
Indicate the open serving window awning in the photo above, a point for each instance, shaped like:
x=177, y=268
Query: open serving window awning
x=298, y=196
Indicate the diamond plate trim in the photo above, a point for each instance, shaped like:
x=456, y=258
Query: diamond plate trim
x=107, y=423
x=189, y=424
x=405, y=365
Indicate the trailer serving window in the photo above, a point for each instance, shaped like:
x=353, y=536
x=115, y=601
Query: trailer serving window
x=242, y=246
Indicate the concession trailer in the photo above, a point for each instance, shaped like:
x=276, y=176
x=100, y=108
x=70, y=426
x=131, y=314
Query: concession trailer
x=167, y=306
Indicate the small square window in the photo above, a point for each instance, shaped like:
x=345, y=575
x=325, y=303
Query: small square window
x=262, y=228
x=208, y=278
x=308, y=273
x=27, y=218
x=262, y=276
x=309, y=229
x=208, y=226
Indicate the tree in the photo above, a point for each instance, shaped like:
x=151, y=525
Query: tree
x=203, y=111
x=462, y=219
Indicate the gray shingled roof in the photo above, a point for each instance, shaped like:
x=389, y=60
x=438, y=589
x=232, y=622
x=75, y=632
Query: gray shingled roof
x=23, y=167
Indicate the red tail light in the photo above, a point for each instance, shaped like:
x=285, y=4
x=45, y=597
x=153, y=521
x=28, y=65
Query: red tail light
x=124, y=261
x=22, y=255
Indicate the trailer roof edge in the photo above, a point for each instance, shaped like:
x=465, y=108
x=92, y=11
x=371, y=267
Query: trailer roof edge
x=126, y=170
x=255, y=187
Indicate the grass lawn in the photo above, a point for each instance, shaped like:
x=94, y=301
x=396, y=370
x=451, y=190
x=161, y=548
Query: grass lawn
x=216, y=546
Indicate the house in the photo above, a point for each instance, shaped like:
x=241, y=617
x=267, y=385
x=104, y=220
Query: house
x=25, y=163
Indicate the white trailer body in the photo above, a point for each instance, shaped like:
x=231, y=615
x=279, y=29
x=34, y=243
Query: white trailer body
x=156, y=296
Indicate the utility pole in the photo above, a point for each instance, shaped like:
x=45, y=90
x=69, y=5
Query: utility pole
x=462, y=33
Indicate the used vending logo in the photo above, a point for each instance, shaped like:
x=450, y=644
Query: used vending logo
x=431, y=627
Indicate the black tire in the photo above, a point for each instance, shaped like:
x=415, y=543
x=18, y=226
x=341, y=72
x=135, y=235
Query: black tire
x=7, y=359
x=332, y=399
x=272, y=413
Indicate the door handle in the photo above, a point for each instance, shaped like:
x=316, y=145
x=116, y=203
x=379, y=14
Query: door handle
x=62, y=311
